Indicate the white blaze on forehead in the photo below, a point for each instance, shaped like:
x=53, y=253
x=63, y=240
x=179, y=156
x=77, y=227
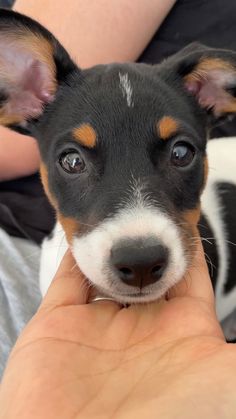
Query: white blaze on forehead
x=126, y=88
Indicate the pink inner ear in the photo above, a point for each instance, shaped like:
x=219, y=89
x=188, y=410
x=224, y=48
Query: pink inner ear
x=35, y=81
x=211, y=89
x=28, y=97
x=26, y=80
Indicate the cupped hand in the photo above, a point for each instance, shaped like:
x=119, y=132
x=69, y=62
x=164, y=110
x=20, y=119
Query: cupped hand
x=166, y=359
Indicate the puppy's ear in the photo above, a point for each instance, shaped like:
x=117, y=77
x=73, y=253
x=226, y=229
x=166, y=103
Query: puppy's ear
x=32, y=65
x=210, y=76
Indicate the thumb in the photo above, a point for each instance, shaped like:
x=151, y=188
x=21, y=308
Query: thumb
x=69, y=286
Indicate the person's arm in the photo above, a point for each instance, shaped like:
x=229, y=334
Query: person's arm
x=19, y=155
x=98, y=32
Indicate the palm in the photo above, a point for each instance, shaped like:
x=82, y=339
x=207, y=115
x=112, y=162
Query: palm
x=97, y=360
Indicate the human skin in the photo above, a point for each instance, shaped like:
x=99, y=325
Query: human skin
x=19, y=155
x=166, y=359
x=93, y=32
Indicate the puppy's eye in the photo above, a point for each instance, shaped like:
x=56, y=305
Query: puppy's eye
x=72, y=162
x=182, y=154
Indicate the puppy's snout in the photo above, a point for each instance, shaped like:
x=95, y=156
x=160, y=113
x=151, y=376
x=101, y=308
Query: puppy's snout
x=139, y=262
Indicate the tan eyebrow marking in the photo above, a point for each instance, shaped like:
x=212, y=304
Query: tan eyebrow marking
x=166, y=127
x=86, y=135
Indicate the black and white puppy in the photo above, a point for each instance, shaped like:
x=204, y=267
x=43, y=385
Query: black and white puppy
x=124, y=161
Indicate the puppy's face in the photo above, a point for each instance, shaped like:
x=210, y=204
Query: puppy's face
x=125, y=169
x=123, y=153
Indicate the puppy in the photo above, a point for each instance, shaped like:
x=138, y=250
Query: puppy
x=124, y=162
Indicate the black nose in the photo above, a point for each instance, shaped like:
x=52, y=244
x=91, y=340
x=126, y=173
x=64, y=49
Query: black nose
x=139, y=262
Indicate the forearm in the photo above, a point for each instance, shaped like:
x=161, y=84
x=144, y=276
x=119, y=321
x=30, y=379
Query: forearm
x=19, y=155
x=100, y=31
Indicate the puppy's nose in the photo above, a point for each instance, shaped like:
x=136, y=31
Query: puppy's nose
x=139, y=262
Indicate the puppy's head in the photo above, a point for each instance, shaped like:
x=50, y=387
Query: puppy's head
x=122, y=148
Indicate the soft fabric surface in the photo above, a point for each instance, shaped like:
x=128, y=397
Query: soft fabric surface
x=19, y=290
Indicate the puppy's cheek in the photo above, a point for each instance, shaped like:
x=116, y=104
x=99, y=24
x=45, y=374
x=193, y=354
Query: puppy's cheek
x=45, y=182
x=69, y=224
x=190, y=233
x=70, y=227
x=191, y=217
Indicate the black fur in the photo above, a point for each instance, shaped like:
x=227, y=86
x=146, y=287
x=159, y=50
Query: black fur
x=122, y=132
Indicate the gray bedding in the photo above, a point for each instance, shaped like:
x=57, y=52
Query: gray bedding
x=19, y=291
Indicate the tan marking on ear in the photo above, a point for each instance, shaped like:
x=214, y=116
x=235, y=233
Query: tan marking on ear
x=167, y=127
x=40, y=49
x=86, y=135
x=231, y=107
x=205, y=65
x=7, y=119
x=44, y=52
x=69, y=225
x=200, y=72
x=44, y=180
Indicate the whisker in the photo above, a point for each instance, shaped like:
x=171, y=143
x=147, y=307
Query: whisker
x=212, y=266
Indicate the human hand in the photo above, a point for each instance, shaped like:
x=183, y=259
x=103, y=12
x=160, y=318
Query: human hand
x=166, y=359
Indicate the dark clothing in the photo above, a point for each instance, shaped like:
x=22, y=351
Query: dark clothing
x=6, y=3
x=211, y=22
x=24, y=211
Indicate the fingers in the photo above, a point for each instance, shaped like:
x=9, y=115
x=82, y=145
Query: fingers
x=69, y=285
x=196, y=282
